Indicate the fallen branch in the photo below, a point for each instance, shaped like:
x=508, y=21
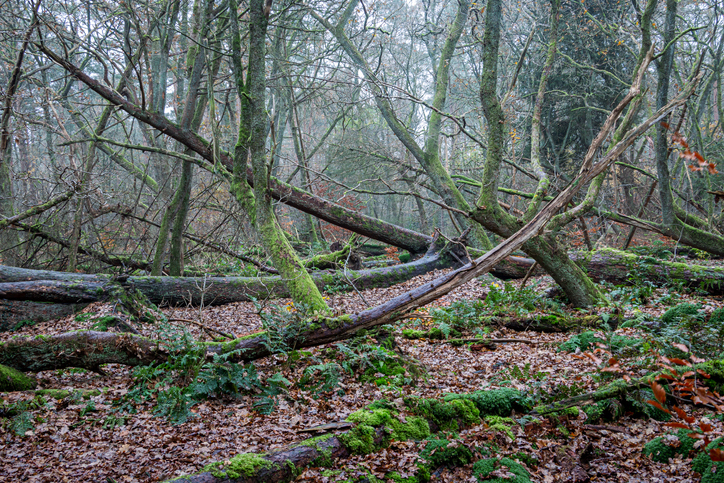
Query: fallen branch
x=37, y=209
x=205, y=327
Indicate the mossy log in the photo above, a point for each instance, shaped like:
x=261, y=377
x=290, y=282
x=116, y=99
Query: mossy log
x=619, y=388
x=15, y=313
x=619, y=268
x=376, y=427
x=85, y=349
x=13, y=380
x=44, y=285
x=549, y=323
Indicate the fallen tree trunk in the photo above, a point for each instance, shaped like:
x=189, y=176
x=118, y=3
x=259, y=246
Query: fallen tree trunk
x=62, y=287
x=85, y=349
x=607, y=264
x=619, y=267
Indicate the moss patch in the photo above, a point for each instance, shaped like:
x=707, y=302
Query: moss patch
x=516, y=472
x=446, y=415
x=54, y=393
x=14, y=380
x=501, y=424
x=710, y=471
x=443, y=452
x=495, y=402
x=663, y=448
x=246, y=464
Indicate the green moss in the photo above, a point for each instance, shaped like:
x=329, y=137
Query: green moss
x=496, y=402
x=331, y=473
x=715, y=369
x=230, y=346
x=414, y=334
x=571, y=412
x=54, y=393
x=14, y=380
x=484, y=467
x=710, y=471
x=359, y=440
x=375, y=417
x=446, y=415
x=415, y=428
x=331, y=322
x=325, y=454
x=247, y=464
x=661, y=452
x=397, y=478
x=605, y=410
x=501, y=424
x=440, y=452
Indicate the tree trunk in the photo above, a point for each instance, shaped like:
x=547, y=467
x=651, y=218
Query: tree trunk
x=9, y=238
x=578, y=287
x=63, y=287
x=85, y=349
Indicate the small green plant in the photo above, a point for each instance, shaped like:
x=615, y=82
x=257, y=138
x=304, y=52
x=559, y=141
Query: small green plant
x=175, y=404
x=19, y=417
x=321, y=378
x=589, y=340
x=24, y=323
x=514, y=301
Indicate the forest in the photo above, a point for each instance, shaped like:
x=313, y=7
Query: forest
x=369, y=241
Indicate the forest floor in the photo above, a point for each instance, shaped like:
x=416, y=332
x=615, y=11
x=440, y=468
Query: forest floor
x=86, y=436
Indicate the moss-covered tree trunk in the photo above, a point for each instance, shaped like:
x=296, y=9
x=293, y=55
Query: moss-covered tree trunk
x=66, y=288
x=300, y=284
x=581, y=291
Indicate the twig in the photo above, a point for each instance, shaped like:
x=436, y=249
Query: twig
x=494, y=341
x=205, y=327
x=527, y=275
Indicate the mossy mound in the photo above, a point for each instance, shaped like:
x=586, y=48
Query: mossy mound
x=444, y=452
x=245, y=464
x=661, y=452
x=495, y=402
x=361, y=439
x=448, y=416
x=710, y=471
x=14, y=380
x=516, y=472
x=501, y=424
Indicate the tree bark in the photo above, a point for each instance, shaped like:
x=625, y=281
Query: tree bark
x=63, y=287
x=86, y=349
